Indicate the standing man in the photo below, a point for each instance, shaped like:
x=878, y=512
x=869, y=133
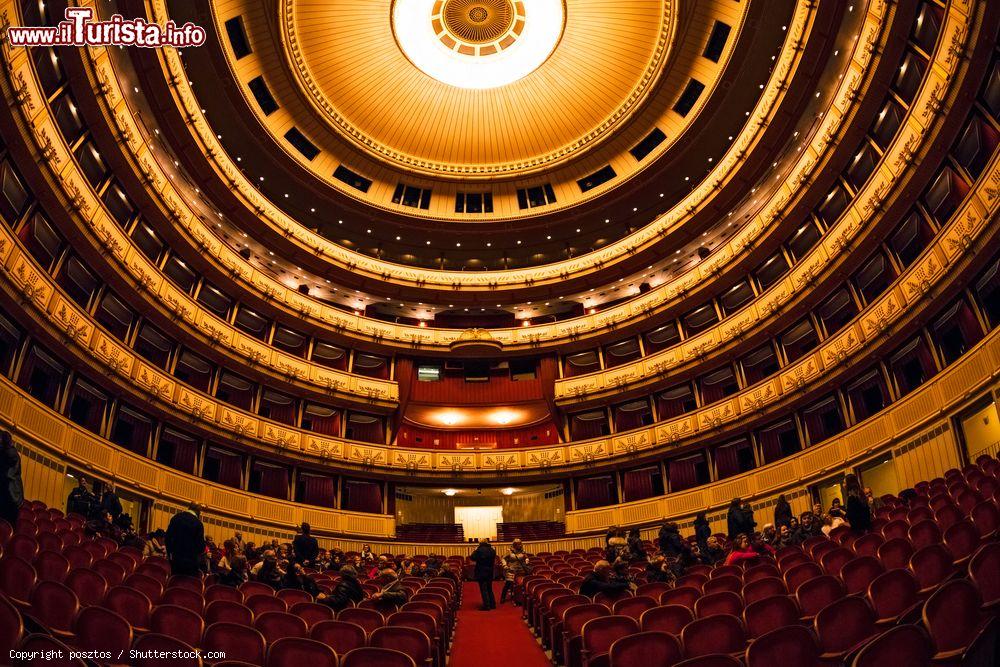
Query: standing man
x=11, y=487
x=305, y=546
x=80, y=499
x=485, y=557
x=186, y=542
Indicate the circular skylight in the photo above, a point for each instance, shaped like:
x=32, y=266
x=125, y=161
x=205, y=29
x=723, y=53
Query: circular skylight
x=478, y=44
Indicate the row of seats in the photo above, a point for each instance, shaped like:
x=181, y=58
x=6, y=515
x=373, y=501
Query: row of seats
x=430, y=532
x=91, y=595
x=530, y=530
x=831, y=600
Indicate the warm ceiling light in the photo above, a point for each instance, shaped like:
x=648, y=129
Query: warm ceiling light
x=450, y=419
x=482, y=44
x=503, y=417
x=508, y=491
x=450, y=492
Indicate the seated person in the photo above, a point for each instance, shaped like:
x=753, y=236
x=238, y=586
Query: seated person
x=348, y=590
x=602, y=580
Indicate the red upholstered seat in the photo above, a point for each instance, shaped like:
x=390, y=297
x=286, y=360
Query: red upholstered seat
x=17, y=577
x=858, y=572
x=835, y=559
x=790, y=645
x=924, y=533
x=653, y=589
x=931, y=566
x=100, y=629
x=817, y=593
x=682, y=595
x=220, y=592
x=986, y=517
x=895, y=528
x=769, y=614
x=130, y=604
x=263, y=603
x=39, y=643
x=298, y=652
x=598, y=634
x=953, y=617
x=666, y=618
x=411, y=641
x=763, y=588
x=55, y=605
x=148, y=586
x=177, y=622
x=713, y=660
x=633, y=606
x=112, y=572
x=962, y=540
x=184, y=597
x=11, y=626
x=275, y=625
x=78, y=556
x=900, y=645
x=341, y=636
x=23, y=546
x=292, y=597
x=312, y=612
x=892, y=594
x=895, y=553
x=127, y=562
x=644, y=649
x=984, y=571
x=867, y=544
x=842, y=626
x=714, y=634
x=368, y=656
x=51, y=566
x=369, y=619
x=228, y=611
x=89, y=586
x=237, y=642
x=800, y=574
x=573, y=621
x=720, y=602
x=255, y=588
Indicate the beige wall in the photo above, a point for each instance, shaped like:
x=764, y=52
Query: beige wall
x=982, y=431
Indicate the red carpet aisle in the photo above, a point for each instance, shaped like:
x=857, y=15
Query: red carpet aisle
x=496, y=638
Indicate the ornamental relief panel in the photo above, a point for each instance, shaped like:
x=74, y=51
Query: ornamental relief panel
x=841, y=347
x=757, y=398
x=323, y=448
x=200, y=408
x=283, y=438
x=675, y=430
x=456, y=461
x=632, y=442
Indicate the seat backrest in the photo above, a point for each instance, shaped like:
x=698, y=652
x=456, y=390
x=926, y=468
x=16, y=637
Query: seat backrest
x=726, y=582
x=895, y=553
x=22, y=546
x=682, y=595
x=112, y=572
x=817, y=593
x=984, y=570
x=263, y=603
x=895, y=528
x=220, y=592
x=369, y=619
x=835, y=559
x=177, y=622
x=296, y=651
x=54, y=604
x=961, y=539
x=601, y=632
x=666, y=618
x=339, y=635
x=575, y=617
x=986, y=517
x=78, y=556
x=800, y=574
x=633, y=606
x=255, y=588
x=721, y=602
x=183, y=581
x=901, y=645
x=769, y=614
x=39, y=643
x=275, y=625
x=11, y=626
x=292, y=596
x=952, y=615
x=867, y=544
x=924, y=533
x=369, y=656
x=643, y=649
x=312, y=612
x=931, y=565
x=237, y=642
x=411, y=641
x=763, y=588
x=762, y=571
x=89, y=586
x=100, y=629
x=858, y=572
x=184, y=597
x=17, y=577
x=228, y=611
x=129, y=603
x=51, y=566
x=843, y=623
x=789, y=645
x=713, y=634
x=893, y=592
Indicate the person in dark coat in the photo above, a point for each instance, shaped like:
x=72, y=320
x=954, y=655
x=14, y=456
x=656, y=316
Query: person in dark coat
x=859, y=512
x=110, y=503
x=671, y=542
x=782, y=513
x=601, y=580
x=305, y=546
x=81, y=500
x=485, y=557
x=186, y=542
x=11, y=486
x=735, y=519
x=348, y=590
x=702, y=530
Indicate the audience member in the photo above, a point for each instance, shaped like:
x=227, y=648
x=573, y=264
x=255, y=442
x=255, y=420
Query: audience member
x=81, y=501
x=859, y=513
x=237, y=574
x=11, y=486
x=737, y=520
x=484, y=557
x=154, y=544
x=185, y=541
x=742, y=550
x=602, y=580
x=305, y=546
x=269, y=572
x=702, y=530
x=347, y=591
x=671, y=543
x=782, y=512
x=636, y=548
x=515, y=564
x=110, y=502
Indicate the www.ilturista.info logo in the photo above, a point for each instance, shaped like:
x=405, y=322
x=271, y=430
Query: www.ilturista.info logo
x=80, y=29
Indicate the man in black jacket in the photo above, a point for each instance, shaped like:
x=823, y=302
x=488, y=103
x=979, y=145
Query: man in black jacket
x=348, y=590
x=80, y=500
x=485, y=558
x=186, y=541
x=110, y=503
x=305, y=546
x=11, y=487
x=602, y=581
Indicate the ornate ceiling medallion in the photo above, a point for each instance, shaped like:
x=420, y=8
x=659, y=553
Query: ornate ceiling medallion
x=478, y=44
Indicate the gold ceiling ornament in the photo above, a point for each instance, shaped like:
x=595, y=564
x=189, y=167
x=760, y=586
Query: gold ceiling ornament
x=370, y=74
x=478, y=27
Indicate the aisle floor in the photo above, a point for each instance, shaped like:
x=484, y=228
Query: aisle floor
x=497, y=638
